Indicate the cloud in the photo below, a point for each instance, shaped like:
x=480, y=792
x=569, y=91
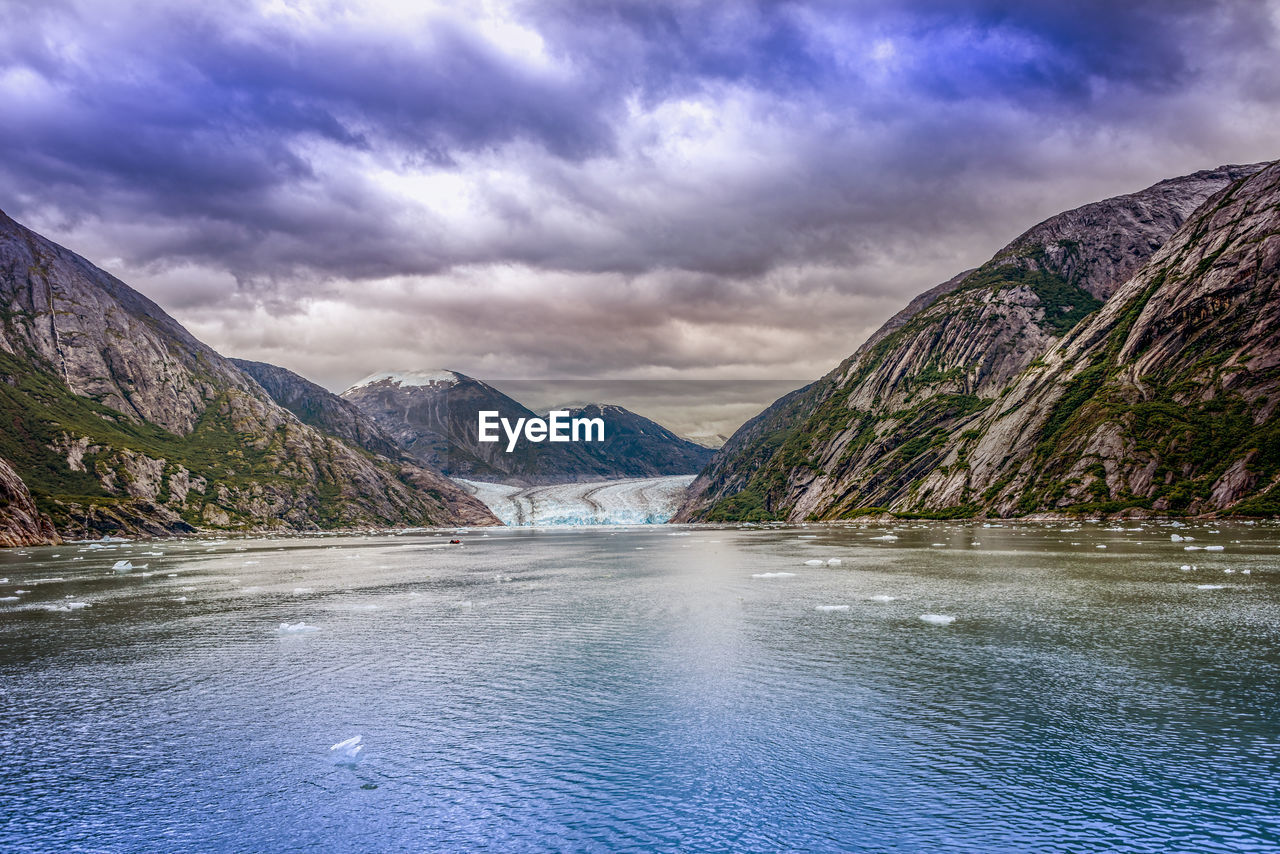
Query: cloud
x=638, y=189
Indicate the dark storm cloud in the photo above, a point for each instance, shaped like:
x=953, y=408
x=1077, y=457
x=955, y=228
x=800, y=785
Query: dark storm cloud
x=638, y=186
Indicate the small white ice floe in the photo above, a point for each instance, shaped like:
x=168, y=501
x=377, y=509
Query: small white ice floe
x=937, y=545
x=773, y=575
x=830, y=608
x=295, y=628
x=347, y=751
x=171, y=575
x=938, y=619
x=9, y=598
x=67, y=606
x=1191, y=548
x=1186, y=567
x=126, y=566
x=883, y=598
x=834, y=561
x=815, y=563
x=300, y=591
x=886, y=538
x=1176, y=538
x=180, y=599
x=1209, y=586
x=1214, y=548
x=807, y=537
x=1100, y=546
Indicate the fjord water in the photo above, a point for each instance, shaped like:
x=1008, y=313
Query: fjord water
x=647, y=689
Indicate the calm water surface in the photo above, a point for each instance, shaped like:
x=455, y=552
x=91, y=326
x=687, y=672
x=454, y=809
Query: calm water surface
x=653, y=689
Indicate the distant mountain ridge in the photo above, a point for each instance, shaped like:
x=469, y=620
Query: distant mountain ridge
x=433, y=416
x=903, y=425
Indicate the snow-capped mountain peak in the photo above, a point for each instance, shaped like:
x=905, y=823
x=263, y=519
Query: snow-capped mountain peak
x=411, y=378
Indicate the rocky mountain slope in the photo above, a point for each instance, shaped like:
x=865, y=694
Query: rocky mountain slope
x=119, y=421
x=433, y=416
x=894, y=426
x=320, y=408
x=21, y=523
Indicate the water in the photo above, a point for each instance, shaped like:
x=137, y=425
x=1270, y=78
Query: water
x=642, y=690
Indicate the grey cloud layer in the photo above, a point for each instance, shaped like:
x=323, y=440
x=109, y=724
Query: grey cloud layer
x=628, y=188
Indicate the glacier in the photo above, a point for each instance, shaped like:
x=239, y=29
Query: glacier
x=629, y=501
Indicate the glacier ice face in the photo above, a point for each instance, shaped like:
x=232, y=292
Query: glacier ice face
x=631, y=501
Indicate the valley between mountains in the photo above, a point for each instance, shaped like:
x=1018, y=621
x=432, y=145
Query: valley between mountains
x=1122, y=357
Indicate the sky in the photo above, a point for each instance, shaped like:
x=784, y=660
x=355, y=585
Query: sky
x=665, y=191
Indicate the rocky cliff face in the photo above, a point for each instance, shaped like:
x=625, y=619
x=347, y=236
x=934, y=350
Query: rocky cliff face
x=433, y=416
x=21, y=524
x=119, y=421
x=880, y=430
x=1166, y=400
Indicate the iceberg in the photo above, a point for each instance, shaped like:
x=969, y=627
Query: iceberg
x=883, y=598
x=349, y=750
x=834, y=561
x=295, y=628
x=126, y=566
x=886, y=537
x=938, y=619
x=815, y=563
x=773, y=575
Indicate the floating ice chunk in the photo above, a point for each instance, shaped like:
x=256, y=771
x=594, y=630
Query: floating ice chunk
x=1214, y=548
x=1246, y=572
x=1100, y=546
x=938, y=619
x=834, y=561
x=1191, y=548
x=180, y=599
x=9, y=598
x=883, y=598
x=1186, y=567
x=815, y=563
x=888, y=538
x=807, y=537
x=1209, y=586
x=936, y=545
x=67, y=606
x=348, y=751
x=123, y=566
x=171, y=575
x=773, y=575
x=1229, y=571
x=299, y=591
x=1176, y=538
x=829, y=608
x=295, y=628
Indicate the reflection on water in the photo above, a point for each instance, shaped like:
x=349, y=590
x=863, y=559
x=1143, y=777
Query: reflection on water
x=957, y=688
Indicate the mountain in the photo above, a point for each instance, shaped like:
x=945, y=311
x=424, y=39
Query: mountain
x=433, y=416
x=119, y=421
x=896, y=426
x=635, y=446
x=320, y=408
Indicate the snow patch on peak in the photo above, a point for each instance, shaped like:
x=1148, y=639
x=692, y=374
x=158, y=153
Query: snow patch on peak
x=411, y=378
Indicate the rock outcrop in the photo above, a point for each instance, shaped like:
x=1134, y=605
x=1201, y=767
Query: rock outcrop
x=21, y=524
x=899, y=425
